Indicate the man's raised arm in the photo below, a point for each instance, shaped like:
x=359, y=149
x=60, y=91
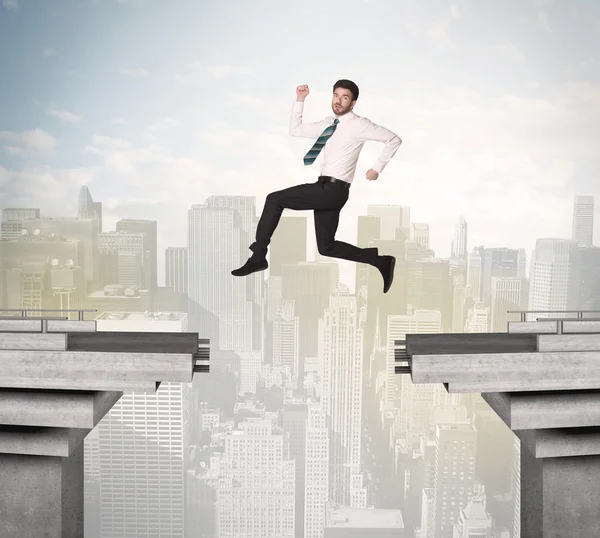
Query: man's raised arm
x=297, y=126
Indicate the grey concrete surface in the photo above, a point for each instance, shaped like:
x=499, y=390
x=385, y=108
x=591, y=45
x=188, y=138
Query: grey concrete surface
x=57, y=409
x=40, y=441
x=549, y=327
x=33, y=341
x=514, y=367
x=559, y=497
x=544, y=409
x=54, y=388
x=125, y=366
x=561, y=442
x=568, y=342
x=21, y=325
x=71, y=326
x=502, y=385
x=42, y=497
x=59, y=383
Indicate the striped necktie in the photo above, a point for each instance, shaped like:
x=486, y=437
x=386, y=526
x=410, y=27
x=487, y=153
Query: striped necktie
x=313, y=153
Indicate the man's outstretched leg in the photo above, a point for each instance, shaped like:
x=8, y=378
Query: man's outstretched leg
x=298, y=197
x=326, y=224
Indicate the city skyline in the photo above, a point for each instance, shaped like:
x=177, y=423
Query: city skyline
x=138, y=141
x=313, y=371
x=209, y=111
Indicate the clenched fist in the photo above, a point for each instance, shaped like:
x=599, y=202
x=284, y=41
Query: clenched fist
x=301, y=92
x=372, y=174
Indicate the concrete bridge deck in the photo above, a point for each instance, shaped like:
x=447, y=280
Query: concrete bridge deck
x=542, y=378
x=58, y=379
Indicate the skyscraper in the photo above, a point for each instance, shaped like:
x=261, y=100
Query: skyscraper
x=150, y=249
x=87, y=208
x=583, y=221
x=288, y=244
x=341, y=346
x=554, y=276
x=142, y=447
x=219, y=305
x=459, y=242
x=176, y=269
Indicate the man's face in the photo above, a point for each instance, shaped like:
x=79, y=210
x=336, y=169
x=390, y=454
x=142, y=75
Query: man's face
x=342, y=102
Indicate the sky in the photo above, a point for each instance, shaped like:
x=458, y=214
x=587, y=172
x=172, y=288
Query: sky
x=157, y=105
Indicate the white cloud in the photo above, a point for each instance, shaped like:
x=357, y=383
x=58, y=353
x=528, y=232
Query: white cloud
x=544, y=21
x=10, y=4
x=225, y=71
x=29, y=142
x=64, y=115
x=438, y=30
x=135, y=72
x=455, y=12
x=195, y=72
x=508, y=51
x=119, y=121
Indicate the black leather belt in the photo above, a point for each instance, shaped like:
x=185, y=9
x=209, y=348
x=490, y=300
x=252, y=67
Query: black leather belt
x=325, y=179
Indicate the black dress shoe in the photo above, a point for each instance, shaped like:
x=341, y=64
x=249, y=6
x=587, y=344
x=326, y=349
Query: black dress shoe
x=386, y=265
x=251, y=266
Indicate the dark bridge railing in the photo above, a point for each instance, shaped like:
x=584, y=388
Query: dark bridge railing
x=402, y=359
x=202, y=355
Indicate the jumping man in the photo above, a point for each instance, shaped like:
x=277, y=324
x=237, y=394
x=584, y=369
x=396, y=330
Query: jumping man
x=341, y=138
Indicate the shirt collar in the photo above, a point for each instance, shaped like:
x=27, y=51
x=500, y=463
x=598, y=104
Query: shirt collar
x=346, y=117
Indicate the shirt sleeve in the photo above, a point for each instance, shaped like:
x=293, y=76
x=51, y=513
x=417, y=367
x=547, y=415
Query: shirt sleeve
x=392, y=141
x=305, y=130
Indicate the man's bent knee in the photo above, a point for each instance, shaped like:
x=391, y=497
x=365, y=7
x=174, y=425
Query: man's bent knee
x=326, y=249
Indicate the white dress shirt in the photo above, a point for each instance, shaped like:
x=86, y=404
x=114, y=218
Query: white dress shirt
x=342, y=150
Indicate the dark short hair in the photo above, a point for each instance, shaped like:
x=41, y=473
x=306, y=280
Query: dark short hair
x=347, y=85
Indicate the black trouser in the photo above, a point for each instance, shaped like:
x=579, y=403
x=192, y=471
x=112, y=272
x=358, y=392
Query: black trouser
x=326, y=198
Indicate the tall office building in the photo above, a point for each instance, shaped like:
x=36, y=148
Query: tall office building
x=508, y=293
x=142, y=447
x=554, y=276
x=392, y=218
x=474, y=520
x=317, y=471
x=420, y=321
x=221, y=306
x=256, y=483
x=477, y=318
x=459, y=240
x=419, y=234
x=583, y=221
x=122, y=259
x=589, y=284
x=288, y=244
x=176, y=269
x=12, y=221
x=87, y=208
x=432, y=289
x=341, y=346
x=295, y=424
x=245, y=207
x=475, y=272
x=454, y=473
x=149, y=250
x=73, y=229
x=368, y=230
x=308, y=284
x=286, y=338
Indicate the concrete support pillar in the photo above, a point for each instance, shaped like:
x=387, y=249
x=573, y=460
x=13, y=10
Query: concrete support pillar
x=560, y=497
x=42, y=496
